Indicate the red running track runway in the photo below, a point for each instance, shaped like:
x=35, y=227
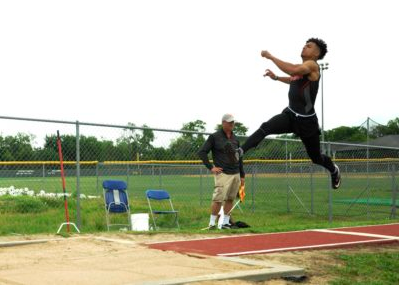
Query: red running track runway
x=286, y=241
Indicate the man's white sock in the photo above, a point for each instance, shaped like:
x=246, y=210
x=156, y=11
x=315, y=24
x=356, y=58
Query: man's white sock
x=226, y=219
x=212, y=220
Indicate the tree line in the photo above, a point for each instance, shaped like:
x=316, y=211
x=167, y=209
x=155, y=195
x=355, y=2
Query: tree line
x=138, y=144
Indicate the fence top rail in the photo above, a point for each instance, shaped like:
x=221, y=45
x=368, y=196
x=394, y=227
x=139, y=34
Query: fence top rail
x=188, y=162
x=154, y=162
x=77, y=123
x=362, y=145
x=44, y=162
x=101, y=125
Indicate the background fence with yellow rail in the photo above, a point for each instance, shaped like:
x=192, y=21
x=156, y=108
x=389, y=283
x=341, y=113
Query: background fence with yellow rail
x=279, y=176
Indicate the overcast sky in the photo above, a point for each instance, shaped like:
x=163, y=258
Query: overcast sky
x=167, y=62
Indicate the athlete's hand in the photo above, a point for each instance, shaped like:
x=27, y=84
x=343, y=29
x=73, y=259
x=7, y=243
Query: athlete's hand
x=269, y=73
x=216, y=170
x=266, y=54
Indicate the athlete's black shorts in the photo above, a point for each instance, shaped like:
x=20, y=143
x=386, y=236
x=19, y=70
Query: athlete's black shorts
x=289, y=122
x=307, y=128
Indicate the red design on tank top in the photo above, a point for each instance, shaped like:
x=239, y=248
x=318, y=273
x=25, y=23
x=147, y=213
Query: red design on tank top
x=296, y=77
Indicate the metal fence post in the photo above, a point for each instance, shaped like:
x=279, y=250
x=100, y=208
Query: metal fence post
x=97, y=179
x=330, y=213
x=253, y=168
x=43, y=175
x=201, y=186
x=78, y=220
x=394, y=192
x=368, y=168
x=153, y=174
x=160, y=176
x=286, y=176
x=311, y=190
x=127, y=175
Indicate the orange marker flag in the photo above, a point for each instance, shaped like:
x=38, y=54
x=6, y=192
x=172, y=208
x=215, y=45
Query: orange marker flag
x=241, y=193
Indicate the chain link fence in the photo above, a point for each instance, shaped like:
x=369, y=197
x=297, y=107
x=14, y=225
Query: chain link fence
x=279, y=176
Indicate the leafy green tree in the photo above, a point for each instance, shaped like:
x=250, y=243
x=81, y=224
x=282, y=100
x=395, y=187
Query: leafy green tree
x=68, y=146
x=16, y=148
x=6, y=153
x=161, y=153
x=109, y=151
x=124, y=150
x=145, y=143
x=196, y=139
x=90, y=148
x=182, y=149
x=187, y=145
x=392, y=128
x=194, y=126
x=137, y=141
x=348, y=134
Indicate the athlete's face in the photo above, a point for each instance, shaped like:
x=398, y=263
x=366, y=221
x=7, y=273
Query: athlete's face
x=310, y=51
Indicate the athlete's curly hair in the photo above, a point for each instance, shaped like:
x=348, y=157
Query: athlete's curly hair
x=321, y=44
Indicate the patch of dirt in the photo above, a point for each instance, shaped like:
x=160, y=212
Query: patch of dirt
x=102, y=259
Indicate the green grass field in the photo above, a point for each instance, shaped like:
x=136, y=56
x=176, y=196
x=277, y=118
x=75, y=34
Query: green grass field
x=273, y=202
x=367, y=268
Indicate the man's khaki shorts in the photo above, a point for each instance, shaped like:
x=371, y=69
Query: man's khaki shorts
x=226, y=187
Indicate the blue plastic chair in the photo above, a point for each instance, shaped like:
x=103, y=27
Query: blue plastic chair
x=159, y=195
x=116, y=201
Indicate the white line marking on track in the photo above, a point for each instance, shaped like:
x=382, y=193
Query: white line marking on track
x=229, y=236
x=370, y=226
x=356, y=234
x=303, y=247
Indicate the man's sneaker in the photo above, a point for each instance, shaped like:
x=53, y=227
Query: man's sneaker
x=336, y=178
x=212, y=227
x=228, y=227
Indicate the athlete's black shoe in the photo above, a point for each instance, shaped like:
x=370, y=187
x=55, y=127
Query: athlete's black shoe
x=336, y=178
x=212, y=227
x=231, y=153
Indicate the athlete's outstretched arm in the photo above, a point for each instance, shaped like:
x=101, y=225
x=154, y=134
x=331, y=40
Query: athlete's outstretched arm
x=273, y=76
x=289, y=68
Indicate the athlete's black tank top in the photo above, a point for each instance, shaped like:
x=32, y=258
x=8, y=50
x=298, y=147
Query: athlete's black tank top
x=302, y=95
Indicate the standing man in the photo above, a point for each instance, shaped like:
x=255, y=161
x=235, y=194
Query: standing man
x=299, y=117
x=228, y=171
